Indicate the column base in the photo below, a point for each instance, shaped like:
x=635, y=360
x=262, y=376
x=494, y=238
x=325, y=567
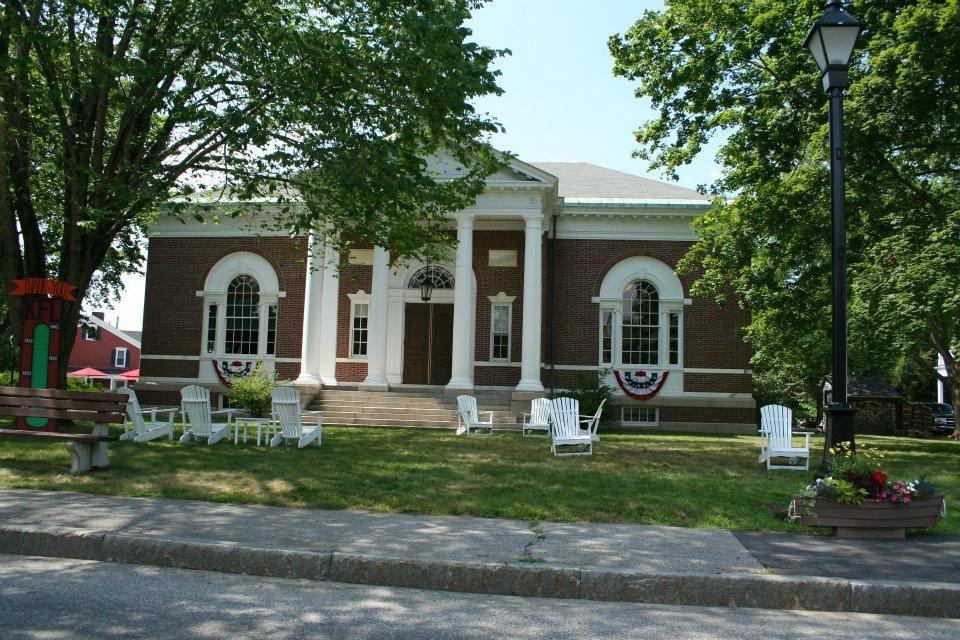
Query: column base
x=530, y=384
x=307, y=385
x=328, y=381
x=306, y=379
x=375, y=383
x=460, y=384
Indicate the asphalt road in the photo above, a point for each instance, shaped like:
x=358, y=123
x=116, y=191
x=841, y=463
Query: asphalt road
x=55, y=598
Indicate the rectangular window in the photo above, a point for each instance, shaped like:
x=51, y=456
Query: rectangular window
x=358, y=333
x=674, y=355
x=640, y=416
x=120, y=357
x=91, y=332
x=271, y=330
x=211, y=328
x=500, y=332
x=606, y=336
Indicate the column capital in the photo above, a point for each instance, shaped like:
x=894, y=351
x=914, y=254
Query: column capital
x=465, y=219
x=533, y=219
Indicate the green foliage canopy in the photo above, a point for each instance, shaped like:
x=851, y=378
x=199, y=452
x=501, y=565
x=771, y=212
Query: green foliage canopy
x=110, y=108
x=737, y=71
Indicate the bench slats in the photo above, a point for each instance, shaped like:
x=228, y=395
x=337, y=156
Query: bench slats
x=104, y=396
x=77, y=437
x=53, y=403
x=92, y=416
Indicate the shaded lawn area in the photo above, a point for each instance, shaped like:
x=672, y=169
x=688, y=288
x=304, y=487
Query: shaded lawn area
x=687, y=480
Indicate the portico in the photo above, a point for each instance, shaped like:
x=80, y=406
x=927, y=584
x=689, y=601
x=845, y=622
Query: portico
x=518, y=200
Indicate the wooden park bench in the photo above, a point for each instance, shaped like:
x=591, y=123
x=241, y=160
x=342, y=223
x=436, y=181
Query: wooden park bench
x=87, y=450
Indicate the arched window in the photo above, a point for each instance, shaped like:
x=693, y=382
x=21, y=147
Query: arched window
x=241, y=294
x=640, y=328
x=641, y=315
x=242, y=336
x=439, y=277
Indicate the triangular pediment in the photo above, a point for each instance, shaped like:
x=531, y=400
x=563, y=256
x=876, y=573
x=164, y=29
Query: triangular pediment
x=514, y=172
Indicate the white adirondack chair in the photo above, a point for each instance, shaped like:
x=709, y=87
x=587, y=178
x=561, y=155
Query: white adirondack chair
x=538, y=420
x=285, y=410
x=141, y=430
x=197, y=415
x=565, y=429
x=468, y=418
x=776, y=439
x=592, y=423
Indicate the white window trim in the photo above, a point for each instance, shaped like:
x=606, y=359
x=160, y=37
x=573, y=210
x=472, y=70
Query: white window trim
x=116, y=353
x=647, y=423
x=502, y=300
x=215, y=292
x=666, y=308
x=360, y=297
x=86, y=335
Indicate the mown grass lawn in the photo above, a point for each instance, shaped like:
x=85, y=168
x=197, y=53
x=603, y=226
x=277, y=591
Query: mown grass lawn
x=650, y=478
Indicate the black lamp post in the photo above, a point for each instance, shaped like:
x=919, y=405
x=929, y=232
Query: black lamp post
x=831, y=41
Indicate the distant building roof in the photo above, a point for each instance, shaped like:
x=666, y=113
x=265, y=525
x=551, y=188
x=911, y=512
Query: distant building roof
x=136, y=335
x=582, y=180
x=866, y=388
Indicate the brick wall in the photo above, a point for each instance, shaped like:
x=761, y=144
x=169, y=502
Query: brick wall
x=710, y=332
x=173, y=313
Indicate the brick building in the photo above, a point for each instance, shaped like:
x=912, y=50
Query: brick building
x=560, y=268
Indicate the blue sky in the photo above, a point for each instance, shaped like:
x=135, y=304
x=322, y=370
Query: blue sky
x=561, y=102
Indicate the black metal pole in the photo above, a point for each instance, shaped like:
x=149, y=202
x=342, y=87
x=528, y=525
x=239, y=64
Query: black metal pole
x=839, y=413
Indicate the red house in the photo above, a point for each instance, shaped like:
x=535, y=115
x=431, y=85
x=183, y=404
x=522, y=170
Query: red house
x=100, y=345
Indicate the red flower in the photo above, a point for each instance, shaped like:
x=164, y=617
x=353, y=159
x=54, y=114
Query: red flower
x=879, y=477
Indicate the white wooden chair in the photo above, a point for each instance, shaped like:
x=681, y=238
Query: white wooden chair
x=285, y=411
x=565, y=429
x=198, y=417
x=141, y=430
x=776, y=439
x=537, y=422
x=468, y=418
x=592, y=423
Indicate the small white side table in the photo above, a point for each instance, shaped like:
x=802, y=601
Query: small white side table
x=263, y=424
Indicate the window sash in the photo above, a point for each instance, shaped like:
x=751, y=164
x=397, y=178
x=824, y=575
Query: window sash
x=500, y=321
x=242, y=325
x=120, y=357
x=606, y=336
x=673, y=323
x=271, y=330
x=359, y=329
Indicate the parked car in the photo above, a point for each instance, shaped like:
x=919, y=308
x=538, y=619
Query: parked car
x=944, y=418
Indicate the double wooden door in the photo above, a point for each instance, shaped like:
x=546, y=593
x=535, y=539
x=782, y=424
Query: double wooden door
x=427, y=343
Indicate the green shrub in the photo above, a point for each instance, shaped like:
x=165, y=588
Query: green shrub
x=79, y=384
x=590, y=390
x=252, y=392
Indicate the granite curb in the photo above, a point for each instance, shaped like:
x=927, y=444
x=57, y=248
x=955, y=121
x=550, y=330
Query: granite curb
x=813, y=593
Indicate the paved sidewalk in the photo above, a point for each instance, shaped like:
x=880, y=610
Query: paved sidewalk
x=658, y=565
x=407, y=536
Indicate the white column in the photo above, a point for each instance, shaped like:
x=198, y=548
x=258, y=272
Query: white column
x=310, y=344
x=532, y=286
x=463, y=313
x=329, y=303
x=377, y=335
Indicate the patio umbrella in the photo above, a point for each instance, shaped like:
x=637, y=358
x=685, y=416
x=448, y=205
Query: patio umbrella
x=86, y=372
x=133, y=374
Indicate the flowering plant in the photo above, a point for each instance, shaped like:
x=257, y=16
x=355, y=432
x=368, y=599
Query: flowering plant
x=855, y=477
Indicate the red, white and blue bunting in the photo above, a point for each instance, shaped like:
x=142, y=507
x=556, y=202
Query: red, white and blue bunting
x=230, y=370
x=641, y=385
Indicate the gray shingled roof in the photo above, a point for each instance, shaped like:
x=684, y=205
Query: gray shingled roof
x=136, y=335
x=585, y=180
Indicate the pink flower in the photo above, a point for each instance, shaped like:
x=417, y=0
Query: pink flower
x=906, y=499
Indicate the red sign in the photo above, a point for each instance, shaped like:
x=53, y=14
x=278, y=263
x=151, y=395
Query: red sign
x=43, y=286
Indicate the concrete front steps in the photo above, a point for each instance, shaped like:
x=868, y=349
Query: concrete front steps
x=421, y=407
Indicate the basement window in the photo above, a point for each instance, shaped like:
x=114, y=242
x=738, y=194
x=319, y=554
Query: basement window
x=640, y=416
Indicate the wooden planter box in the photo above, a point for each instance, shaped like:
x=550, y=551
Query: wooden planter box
x=871, y=519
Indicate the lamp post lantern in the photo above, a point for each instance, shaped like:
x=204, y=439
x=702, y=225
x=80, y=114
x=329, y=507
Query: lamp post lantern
x=831, y=41
x=426, y=286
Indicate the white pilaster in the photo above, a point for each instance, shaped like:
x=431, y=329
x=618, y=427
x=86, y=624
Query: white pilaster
x=463, y=312
x=310, y=338
x=532, y=286
x=329, y=303
x=379, y=309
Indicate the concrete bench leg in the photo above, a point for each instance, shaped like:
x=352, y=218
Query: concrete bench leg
x=85, y=455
